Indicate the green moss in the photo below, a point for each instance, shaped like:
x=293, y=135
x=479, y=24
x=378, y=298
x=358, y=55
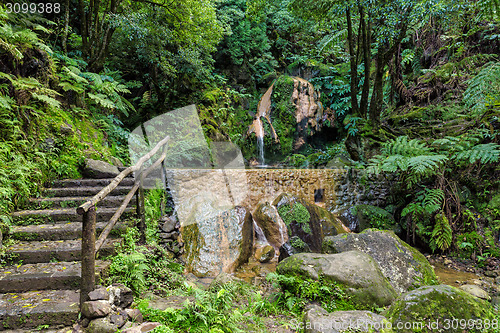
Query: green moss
x=297, y=213
x=298, y=243
x=423, y=266
x=193, y=242
x=433, y=304
x=282, y=117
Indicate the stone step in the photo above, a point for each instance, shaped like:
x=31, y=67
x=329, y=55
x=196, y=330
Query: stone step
x=89, y=182
x=63, y=250
x=83, y=191
x=68, y=329
x=35, y=308
x=45, y=276
x=59, y=231
x=66, y=202
x=44, y=216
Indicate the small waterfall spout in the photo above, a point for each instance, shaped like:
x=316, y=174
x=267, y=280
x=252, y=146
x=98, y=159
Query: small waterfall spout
x=260, y=147
x=257, y=127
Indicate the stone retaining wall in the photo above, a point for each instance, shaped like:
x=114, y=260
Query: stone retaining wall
x=334, y=189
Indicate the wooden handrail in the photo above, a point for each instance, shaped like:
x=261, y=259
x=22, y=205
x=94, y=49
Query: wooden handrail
x=105, y=232
x=89, y=245
x=117, y=180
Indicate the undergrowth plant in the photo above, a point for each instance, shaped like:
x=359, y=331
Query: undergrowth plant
x=296, y=292
x=426, y=169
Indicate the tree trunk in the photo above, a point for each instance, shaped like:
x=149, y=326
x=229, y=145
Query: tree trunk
x=66, y=27
x=354, y=69
x=366, y=44
x=83, y=28
x=377, y=93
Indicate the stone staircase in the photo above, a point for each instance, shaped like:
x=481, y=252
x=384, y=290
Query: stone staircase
x=41, y=286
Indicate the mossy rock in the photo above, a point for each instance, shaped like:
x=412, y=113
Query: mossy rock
x=375, y=217
x=357, y=273
x=318, y=320
x=404, y=266
x=216, y=239
x=306, y=220
x=440, y=308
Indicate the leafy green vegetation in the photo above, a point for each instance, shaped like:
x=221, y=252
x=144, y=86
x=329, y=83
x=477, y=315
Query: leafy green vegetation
x=409, y=89
x=297, y=213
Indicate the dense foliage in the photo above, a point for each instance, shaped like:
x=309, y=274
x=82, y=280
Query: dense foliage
x=410, y=89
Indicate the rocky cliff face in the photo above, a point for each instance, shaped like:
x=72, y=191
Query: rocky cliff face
x=292, y=113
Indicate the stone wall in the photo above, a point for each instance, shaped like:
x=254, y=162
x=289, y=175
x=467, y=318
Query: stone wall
x=334, y=189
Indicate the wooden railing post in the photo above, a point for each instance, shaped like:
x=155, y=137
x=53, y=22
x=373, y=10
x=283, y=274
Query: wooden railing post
x=142, y=211
x=164, y=185
x=88, y=254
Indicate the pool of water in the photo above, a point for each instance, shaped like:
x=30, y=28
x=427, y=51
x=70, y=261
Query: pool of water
x=453, y=277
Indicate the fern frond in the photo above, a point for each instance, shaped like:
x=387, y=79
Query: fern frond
x=442, y=235
x=102, y=100
x=425, y=164
x=484, y=89
x=66, y=86
x=401, y=146
x=47, y=99
x=485, y=153
x=432, y=200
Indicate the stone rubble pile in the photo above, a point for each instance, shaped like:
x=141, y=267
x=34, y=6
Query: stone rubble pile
x=168, y=232
x=108, y=311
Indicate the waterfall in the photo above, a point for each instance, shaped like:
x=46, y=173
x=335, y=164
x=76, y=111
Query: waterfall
x=257, y=127
x=259, y=234
x=260, y=148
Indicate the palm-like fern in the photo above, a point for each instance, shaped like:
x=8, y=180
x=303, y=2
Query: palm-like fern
x=442, y=235
x=427, y=201
x=413, y=158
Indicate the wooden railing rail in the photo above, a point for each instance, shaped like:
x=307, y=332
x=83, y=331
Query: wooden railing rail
x=89, y=245
x=115, y=182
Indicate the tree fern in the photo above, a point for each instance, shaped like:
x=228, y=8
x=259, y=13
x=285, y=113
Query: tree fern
x=484, y=89
x=442, y=235
x=413, y=158
x=427, y=202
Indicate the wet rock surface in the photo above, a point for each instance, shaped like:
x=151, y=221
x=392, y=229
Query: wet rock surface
x=217, y=240
x=476, y=291
x=436, y=306
x=401, y=264
x=268, y=219
x=355, y=270
x=318, y=320
x=309, y=222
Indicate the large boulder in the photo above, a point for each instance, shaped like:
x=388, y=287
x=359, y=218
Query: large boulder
x=401, y=264
x=307, y=221
x=318, y=320
x=216, y=240
x=99, y=169
x=268, y=219
x=440, y=308
x=354, y=270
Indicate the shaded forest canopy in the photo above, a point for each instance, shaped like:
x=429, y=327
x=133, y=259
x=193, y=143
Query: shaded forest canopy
x=413, y=87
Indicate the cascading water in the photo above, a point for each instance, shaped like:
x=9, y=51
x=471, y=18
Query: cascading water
x=257, y=127
x=259, y=234
x=260, y=142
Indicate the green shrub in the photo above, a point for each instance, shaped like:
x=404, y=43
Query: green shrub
x=297, y=213
x=296, y=292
